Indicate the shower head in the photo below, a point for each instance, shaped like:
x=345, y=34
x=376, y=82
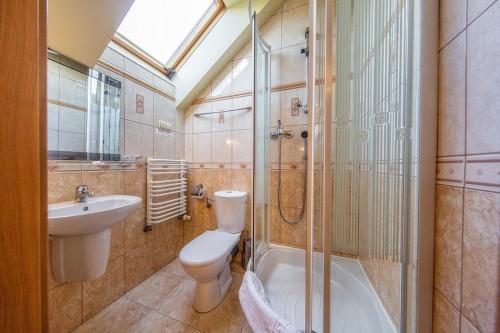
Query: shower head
x=304, y=134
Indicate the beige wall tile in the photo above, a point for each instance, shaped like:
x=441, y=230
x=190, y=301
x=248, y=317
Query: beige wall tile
x=287, y=117
x=476, y=7
x=65, y=307
x=481, y=262
x=221, y=179
x=202, y=148
x=222, y=122
x=134, y=230
x=117, y=247
x=221, y=147
x=100, y=292
x=242, y=119
x=135, y=184
x=293, y=234
x=163, y=109
x=451, y=116
x=294, y=23
x=292, y=64
x=271, y=31
x=163, y=146
x=483, y=80
x=290, y=4
x=390, y=288
x=448, y=242
x=466, y=326
x=446, y=319
x=451, y=19
x=138, y=139
x=223, y=82
x=138, y=265
x=62, y=186
x=242, y=79
x=104, y=182
x=242, y=146
x=164, y=243
x=201, y=124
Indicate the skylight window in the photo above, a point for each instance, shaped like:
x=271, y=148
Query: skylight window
x=163, y=28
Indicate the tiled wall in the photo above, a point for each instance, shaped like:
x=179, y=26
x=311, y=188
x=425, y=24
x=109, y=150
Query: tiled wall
x=134, y=255
x=467, y=243
x=221, y=151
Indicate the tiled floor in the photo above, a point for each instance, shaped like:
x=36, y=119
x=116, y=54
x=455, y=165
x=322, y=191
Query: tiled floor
x=162, y=303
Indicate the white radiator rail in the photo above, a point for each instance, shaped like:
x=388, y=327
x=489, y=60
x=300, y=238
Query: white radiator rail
x=166, y=197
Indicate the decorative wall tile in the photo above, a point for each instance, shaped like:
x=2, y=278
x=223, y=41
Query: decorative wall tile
x=483, y=172
x=450, y=171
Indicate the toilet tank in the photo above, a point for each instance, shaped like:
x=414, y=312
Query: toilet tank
x=230, y=210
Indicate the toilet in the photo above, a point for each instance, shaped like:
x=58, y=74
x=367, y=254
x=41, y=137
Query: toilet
x=206, y=258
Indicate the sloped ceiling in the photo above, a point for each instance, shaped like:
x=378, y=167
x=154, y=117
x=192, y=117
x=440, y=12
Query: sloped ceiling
x=219, y=46
x=82, y=29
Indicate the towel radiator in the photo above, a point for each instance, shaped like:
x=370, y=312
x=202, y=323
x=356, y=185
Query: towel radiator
x=166, y=191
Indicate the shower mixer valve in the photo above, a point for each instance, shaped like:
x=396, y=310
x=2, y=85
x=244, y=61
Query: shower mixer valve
x=280, y=131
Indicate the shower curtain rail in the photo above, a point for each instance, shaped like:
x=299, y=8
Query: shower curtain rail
x=248, y=108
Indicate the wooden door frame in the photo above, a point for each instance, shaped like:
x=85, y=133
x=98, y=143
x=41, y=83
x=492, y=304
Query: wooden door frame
x=23, y=158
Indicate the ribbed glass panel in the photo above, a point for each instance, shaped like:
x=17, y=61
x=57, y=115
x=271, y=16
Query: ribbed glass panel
x=371, y=141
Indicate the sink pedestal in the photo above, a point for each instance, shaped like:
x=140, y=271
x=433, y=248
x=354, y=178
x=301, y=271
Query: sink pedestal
x=80, y=257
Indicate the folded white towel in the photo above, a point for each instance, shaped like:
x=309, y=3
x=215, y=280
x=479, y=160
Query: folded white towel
x=257, y=308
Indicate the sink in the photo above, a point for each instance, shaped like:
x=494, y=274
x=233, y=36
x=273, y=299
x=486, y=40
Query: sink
x=93, y=215
x=81, y=234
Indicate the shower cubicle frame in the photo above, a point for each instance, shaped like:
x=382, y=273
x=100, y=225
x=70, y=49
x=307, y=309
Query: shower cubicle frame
x=418, y=315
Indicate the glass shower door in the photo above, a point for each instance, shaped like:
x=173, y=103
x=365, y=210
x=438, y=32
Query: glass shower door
x=261, y=108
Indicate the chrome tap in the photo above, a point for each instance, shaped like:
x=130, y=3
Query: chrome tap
x=280, y=131
x=82, y=193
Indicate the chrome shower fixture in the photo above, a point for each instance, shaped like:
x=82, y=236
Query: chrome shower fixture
x=281, y=132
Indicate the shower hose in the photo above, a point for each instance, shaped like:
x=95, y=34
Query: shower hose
x=302, y=210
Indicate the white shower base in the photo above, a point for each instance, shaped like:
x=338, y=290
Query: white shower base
x=355, y=307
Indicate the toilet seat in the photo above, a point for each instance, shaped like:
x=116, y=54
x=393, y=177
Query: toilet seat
x=208, y=248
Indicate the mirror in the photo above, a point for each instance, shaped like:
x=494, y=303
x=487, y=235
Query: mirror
x=83, y=112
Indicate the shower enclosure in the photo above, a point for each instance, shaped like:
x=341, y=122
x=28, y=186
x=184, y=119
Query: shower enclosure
x=366, y=262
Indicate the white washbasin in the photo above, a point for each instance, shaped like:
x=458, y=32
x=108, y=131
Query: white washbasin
x=81, y=234
x=93, y=215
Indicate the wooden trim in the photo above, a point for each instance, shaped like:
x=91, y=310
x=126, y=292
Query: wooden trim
x=130, y=77
x=129, y=46
x=23, y=156
x=180, y=58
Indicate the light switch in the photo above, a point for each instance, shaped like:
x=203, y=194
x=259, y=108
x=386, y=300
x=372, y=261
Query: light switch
x=164, y=125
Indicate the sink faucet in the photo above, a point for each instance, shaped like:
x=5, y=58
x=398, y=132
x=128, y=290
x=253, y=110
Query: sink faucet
x=82, y=193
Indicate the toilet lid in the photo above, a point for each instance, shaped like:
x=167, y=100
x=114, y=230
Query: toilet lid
x=207, y=248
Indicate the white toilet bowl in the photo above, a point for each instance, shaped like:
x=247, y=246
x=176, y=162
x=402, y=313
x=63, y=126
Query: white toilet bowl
x=206, y=258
